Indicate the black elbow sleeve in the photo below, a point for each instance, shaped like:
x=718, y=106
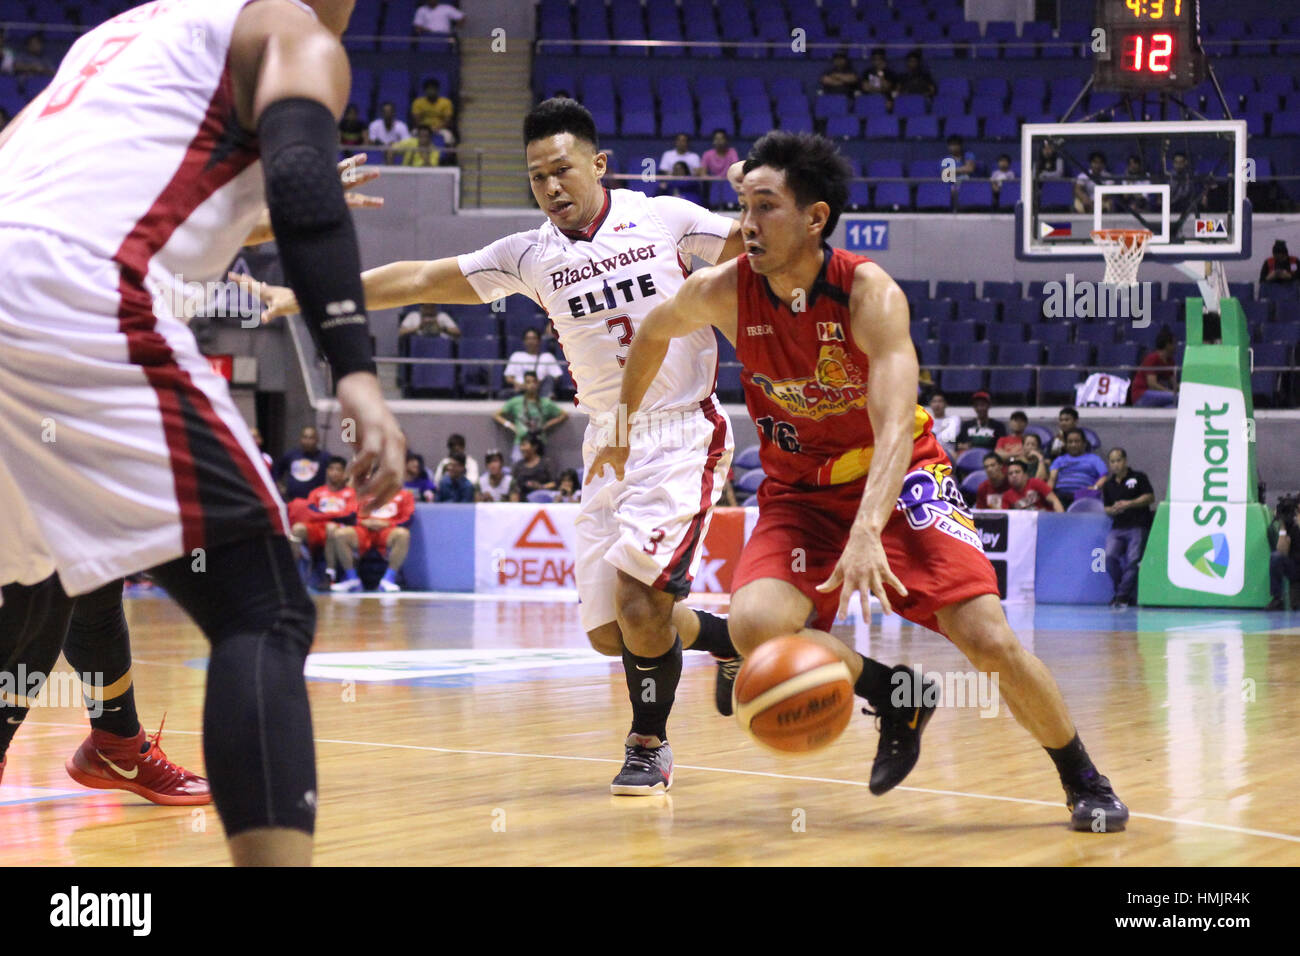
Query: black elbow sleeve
x=313, y=229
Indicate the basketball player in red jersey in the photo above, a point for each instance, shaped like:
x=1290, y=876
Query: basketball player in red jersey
x=856, y=481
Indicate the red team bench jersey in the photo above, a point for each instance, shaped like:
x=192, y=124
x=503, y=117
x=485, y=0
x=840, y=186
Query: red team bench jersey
x=805, y=379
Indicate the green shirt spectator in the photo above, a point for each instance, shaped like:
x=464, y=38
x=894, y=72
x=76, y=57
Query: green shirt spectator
x=529, y=413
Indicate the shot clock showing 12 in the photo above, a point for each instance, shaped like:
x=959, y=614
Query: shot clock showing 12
x=1151, y=45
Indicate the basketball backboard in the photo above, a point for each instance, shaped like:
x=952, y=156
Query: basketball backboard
x=1185, y=181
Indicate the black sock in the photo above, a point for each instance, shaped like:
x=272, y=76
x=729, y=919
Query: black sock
x=651, y=686
x=99, y=644
x=7, y=729
x=713, y=636
x=874, y=683
x=1073, y=763
x=117, y=715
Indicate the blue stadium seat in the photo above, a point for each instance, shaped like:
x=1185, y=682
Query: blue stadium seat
x=750, y=480
x=909, y=104
x=957, y=291
x=922, y=127
x=1005, y=333
x=892, y=196
x=867, y=105
x=1118, y=355
x=1002, y=291
x=441, y=377
x=748, y=458
x=882, y=127
x=916, y=290
x=1095, y=333
x=885, y=168
x=962, y=381
x=974, y=195
x=830, y=104
x=984, y=311
x=948, y=106
x=1001, y=126
x=1069, y=353
x=1051, y=331
x=845, y=127
x=1057, y=384
x=936, y=310
x=973, y=353
x=1026, y=311
x=959, y=333
x=1009, y=195
x=955, y=86
x=932, y=352
x=963, y=125
x=1020, y=353
x=919, y=330
x=1056, y=195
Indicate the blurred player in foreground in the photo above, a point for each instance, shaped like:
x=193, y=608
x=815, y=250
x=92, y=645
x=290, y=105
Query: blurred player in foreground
x=157, y=120
x=856, y=480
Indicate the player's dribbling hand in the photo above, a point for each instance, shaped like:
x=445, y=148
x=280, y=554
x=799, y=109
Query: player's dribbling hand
x=352, y=179
x=277, y=300
x=613, y=455
x=379, y=462
x=863, y=567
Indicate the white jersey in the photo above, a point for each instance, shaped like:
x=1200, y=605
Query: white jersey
x=597, y=286
x=134, y=152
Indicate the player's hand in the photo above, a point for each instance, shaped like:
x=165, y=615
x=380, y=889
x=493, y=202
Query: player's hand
x=613, y=455
x=352, y=178
x=277, y=300
x=863, y=567
x=379, y=462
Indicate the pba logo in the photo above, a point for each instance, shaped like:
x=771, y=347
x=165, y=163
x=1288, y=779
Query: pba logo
x=1211, y=228
x=830, y=331
x=624, y=225
x=1210, y=555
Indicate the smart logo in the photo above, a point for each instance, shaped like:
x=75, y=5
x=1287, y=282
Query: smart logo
x=1210, y=555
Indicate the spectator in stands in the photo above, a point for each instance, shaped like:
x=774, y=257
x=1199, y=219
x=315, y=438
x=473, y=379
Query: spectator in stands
x=316, y=520
x=1153, y=385
x=388, y=129
x=1012, y=444
x=1128, y=497
x=568, y=488
x=529, y=413
x=980, y=431
x=533, y=359
x=959, y=160
x=494, y=483
x=716, y=161
x=1003, y=173
x=416, y=151
x=417, y=479
x=1088, y=180
x=303, y=469
x=947, y=424
x=1028, y=492
x=454, y=486
x=385, y=530
x=682, y=183
x=841, y=77
x=1032, y=455
x=428, y=319
x=456, y=446
x=916, y=78
x=32, y=61
x=1184, y=190
x=1076, y=468
x=1048, y=164
x=6, y=60
x=352, y=130
x=436, y=18
x=432, y=109
x=992, y=488
x=261, y=448
x=1281, y=266
x=1066, y=419
x=680, y=153
x=1284, y=562
x=878, y=78
x=532, y=472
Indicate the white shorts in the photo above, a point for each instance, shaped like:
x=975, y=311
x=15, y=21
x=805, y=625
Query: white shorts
x=652, y=524
x=122, y=449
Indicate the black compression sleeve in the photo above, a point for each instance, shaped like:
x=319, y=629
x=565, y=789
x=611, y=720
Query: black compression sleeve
x=313, y=229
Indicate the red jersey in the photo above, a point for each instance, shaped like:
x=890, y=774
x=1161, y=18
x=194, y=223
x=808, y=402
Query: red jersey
x=397, y=511
x=326, y=504
x=805, y=379
x=1034, y=496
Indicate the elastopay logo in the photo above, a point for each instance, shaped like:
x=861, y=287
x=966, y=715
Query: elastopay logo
x=1210, y=556
x=1207, y=490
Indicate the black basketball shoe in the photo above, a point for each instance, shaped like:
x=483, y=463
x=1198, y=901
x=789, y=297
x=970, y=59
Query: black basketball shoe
x=1094, y=806
x=725, y=684
x=900, y=733
x=647, y=767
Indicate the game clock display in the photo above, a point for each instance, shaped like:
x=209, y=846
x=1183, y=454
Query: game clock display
x=1151, y=45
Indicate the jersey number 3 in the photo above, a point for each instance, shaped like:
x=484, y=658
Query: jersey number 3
x=67, y=91
x=621, y=325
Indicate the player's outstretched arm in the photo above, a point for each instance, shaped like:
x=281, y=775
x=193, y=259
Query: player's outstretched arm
x=291, y=81
x=707, y=298
x=879, y=325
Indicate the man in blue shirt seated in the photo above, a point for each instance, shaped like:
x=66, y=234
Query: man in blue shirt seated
x=1075, y=469
x=454, y=485
x=302, y=470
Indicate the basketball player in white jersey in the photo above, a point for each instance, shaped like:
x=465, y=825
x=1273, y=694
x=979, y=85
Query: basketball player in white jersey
x=602, y=260
x=145, y=164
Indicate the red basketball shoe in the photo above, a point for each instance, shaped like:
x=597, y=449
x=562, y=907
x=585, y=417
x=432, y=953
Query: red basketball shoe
x=105, y=761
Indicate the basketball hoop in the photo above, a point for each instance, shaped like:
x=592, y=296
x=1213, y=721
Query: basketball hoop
x=1123, y=249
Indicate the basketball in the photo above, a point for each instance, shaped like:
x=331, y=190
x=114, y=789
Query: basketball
x=794, y=696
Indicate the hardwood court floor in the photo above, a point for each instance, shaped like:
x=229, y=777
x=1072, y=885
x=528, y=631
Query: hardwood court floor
x=481, y=732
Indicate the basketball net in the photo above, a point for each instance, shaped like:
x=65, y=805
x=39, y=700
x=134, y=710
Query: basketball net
x=1123, y=249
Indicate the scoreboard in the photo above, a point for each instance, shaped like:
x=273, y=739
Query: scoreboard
x=1151, y=46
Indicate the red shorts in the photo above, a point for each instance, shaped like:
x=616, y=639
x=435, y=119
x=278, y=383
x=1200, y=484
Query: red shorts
x=930, y=541
x=367, y=539
x=316, y=535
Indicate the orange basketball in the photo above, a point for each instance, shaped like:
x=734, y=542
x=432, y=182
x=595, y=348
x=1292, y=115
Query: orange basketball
x=793, y=695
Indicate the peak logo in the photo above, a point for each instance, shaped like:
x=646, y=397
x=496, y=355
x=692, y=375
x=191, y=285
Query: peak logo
x=1210, y=556
x=545, y=536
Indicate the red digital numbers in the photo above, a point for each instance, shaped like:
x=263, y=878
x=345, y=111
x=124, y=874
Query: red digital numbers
x=1156, y=58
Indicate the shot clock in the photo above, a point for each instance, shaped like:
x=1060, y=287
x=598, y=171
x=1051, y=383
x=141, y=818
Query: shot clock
x=1151, y=46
